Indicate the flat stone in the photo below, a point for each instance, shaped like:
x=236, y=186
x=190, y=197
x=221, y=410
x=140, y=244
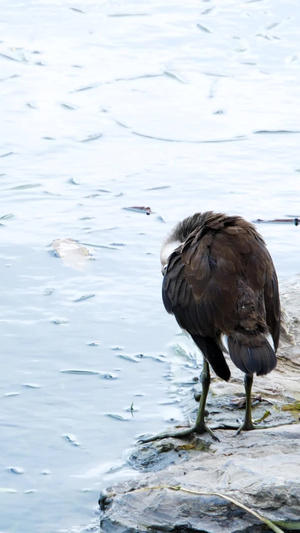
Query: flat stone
x=260, y=469
x=184, y=484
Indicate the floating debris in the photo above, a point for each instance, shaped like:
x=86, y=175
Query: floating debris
x=71, y=439
x=4, y=490
x=159, y=358
x=9, y=394
x=10, y=77
x=129, y=15
x=77, y=10
x=60, y=321
x=159, y=188
x=7, y=153
x=272, y=25
x=26, y=186
x=80, y=372
x=6, y=217
x=276, y=131
x=48, y=292
x=86, y=88
x=139, y=209
x=71, y=252
x=84, y=297
x=107, y=375
x=117, y=417
x=203, y=28
x=132, y=409
x=128, y=358
x=31, y=385
x=295, y=221
x=95, y=195
x=73, y=181
x=206, y=11
x=92, y=137
x=15, y=470
x=29, y=491
x=264, y=36
x=173, y=76
x=68, y=106
x=6, y=56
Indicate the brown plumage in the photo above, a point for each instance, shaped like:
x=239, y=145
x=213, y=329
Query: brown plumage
x=220, y=280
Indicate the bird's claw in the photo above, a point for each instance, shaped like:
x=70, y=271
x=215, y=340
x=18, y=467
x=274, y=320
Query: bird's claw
x=198, y=430
x=246, y=426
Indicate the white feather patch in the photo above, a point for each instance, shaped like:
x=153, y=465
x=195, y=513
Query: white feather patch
x=166, y=250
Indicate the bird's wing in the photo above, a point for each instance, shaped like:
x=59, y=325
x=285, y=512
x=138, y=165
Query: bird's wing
x=261, y=276
x=199, y=285
x=272, y=304
x=197, y=292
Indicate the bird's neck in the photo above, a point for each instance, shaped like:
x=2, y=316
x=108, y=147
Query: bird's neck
x=179, y=234
x=169, y=245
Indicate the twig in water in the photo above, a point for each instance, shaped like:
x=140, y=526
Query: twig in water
x=295, y=221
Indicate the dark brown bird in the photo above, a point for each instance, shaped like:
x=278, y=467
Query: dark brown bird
x=219, y=280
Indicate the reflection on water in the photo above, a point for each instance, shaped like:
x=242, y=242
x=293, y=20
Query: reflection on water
x=110, y=107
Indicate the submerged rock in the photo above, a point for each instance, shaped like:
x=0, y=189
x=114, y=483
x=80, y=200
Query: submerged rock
x=187, y=486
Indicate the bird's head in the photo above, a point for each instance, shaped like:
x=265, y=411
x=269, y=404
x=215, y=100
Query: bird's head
x=178, y=236
x=169, y=245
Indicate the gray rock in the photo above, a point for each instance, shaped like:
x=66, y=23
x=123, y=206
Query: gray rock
x=183, y=483
x=260, y=469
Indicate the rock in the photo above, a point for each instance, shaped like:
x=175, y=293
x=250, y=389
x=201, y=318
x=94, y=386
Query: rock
x=184, y=483
x=260, y=469
x=262, y=472
x=159, y=455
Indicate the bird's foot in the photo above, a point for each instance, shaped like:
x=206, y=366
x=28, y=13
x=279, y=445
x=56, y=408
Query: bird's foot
x=196, y=429
x=247, y=425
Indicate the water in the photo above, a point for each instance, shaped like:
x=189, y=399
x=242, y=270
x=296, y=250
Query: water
x=105, y=106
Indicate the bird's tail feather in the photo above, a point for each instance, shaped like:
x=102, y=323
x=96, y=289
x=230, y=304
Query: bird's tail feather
x=213, y=355
x=258, y=360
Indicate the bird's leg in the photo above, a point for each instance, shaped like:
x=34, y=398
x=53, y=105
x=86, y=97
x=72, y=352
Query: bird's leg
x=199, y=426
x=247, y=424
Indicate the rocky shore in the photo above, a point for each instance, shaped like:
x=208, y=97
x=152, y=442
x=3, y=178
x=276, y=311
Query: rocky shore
x=232, y=486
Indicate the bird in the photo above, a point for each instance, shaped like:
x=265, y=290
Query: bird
x=220, y=283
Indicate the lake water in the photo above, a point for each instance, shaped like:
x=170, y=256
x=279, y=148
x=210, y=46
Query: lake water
x=181, y=107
